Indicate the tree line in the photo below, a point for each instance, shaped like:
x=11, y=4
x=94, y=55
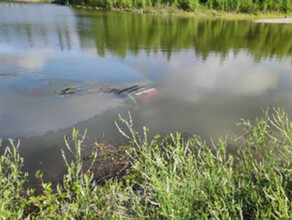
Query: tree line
x=247, y=6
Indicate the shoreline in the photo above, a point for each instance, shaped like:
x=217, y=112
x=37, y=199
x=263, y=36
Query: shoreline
x=131, y=176
x=260, y=16
x=198, y=13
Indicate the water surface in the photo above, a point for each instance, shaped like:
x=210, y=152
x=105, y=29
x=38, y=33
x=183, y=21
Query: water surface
x=62, y=67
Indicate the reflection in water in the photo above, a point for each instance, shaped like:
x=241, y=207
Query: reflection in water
x=61, y=67
x=30, y=26
x=122, y=34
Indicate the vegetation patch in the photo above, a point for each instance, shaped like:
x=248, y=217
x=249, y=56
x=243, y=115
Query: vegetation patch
x=238, y=6
x=165, y=178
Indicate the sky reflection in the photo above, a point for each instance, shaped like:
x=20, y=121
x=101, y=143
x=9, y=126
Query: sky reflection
x=204, y=86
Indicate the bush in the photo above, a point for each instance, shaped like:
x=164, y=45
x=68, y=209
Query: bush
x=173, y=178
x=168, y=178
x=12, y=180
x=225, y=5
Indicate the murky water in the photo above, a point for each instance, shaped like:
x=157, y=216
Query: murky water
x=62, y=67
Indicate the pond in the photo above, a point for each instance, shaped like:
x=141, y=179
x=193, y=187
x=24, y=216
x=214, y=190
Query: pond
x=62, y=67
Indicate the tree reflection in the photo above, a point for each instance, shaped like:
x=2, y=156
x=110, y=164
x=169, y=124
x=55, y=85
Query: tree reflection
x=121, y=34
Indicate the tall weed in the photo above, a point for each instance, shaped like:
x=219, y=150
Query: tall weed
x=166, y=178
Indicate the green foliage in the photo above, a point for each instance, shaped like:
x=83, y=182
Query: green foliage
x=225, y=5
x=79, y=195
x=187, y=4
x=186, y=179
x=169, y=178
x=12, y=180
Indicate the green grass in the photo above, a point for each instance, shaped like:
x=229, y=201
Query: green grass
x=165, y=178
x=198, y=13
x=171, y=9
x=237, y=6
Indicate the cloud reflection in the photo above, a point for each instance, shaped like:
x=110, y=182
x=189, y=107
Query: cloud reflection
x=31, y=59
x=236, y=75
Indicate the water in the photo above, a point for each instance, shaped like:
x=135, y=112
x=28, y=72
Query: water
x=62, y=67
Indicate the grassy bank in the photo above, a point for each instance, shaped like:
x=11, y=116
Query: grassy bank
x=198, y=13
x=165, y=8
x=165, y=178
x=205, y=7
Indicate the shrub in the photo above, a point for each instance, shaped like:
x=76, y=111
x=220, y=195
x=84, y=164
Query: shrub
x=12, y=180
x=167, y=178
